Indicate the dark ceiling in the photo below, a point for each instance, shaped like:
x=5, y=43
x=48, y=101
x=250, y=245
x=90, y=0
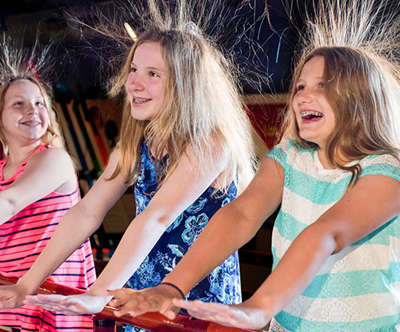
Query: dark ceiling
x=265, y=46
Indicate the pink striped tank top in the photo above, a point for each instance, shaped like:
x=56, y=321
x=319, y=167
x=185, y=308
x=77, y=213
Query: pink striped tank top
x=22, y=238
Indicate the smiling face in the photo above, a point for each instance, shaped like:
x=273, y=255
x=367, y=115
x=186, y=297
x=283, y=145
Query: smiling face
x=147, y=80
x=314, y=115
x=24, y=116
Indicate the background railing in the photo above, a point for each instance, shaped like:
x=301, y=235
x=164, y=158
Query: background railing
x=105, y=320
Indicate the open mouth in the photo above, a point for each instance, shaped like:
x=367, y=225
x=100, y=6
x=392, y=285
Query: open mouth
x=138, y=100
x=31, y=123
x=311, y=115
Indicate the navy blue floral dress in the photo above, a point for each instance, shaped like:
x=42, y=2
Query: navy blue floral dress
x=223, y=284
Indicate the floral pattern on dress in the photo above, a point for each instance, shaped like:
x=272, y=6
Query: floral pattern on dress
x=223, y=284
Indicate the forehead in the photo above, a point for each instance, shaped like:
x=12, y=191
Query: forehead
x=149, y=54
x=23, y=87
x=313, y=67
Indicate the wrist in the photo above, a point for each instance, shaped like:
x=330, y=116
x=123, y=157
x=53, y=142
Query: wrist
x=25, y=287
x=176, y=289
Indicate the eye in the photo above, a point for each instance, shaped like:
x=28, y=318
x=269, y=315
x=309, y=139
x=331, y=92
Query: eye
x=18, y=103
x=321, y=85
x=154, y=74
x=299, y=87
x=133, y=69
x=40, y=104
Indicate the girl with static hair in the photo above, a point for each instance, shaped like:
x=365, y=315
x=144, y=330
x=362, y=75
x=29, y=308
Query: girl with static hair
x=37, y=186
x=186, y=147
x=336, y=177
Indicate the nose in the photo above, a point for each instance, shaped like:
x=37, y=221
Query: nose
x=31, y=108
x=305, y=96
x=134, y=82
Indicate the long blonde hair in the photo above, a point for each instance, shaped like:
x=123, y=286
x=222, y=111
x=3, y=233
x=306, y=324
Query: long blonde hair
x=202, y=110
x=361, y=84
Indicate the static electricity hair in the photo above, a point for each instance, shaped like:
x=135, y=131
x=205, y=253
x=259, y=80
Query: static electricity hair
x=361, y=80
x=202, y=110
x=16, y=65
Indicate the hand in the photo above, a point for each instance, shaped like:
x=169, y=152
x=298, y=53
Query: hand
x=70, y=305
x=11, y=296
x=137, y=302
x=239, y=315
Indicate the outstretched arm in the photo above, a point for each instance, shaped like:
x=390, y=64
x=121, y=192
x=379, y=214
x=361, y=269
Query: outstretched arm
x=230, y=228
x=186, y=183
x=373, y=201
x=76, y=226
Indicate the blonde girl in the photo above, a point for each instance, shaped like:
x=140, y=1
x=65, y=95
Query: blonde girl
x=186, y=147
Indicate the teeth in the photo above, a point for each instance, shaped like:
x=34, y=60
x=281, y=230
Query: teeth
x=31, y=123
x=140, y=100
x=308, y=113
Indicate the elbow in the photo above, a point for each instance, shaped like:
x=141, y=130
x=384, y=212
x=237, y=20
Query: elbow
x=339, y=242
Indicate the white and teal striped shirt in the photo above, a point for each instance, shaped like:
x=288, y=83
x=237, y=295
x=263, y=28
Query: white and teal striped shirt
x=357, y=289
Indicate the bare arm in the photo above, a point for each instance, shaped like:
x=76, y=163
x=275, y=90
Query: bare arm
x=373, y=201
x=182, y=188
x=231, y=227
x=77, y=225
x=54, y=164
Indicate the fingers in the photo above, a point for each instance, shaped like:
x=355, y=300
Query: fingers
x=134, y=303
x=68, y=305
x=215, y=312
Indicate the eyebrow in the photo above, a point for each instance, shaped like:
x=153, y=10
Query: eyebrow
x=150, y=67
x=24, y=97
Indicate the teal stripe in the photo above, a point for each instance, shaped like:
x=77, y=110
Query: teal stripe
x=287, y=226
x=348, y=284
x=279, y=155
x=382, y=169
x=394, y=269
x=382, y=234
x=296, y=324
x=316, y=191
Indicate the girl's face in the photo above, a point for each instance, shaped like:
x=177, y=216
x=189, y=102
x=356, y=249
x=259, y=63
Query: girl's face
x=147, y=80
x=24, y=116
x=314, y=116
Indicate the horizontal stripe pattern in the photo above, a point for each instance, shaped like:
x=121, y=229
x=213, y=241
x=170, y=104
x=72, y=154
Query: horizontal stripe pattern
x=22, y=239
x=357, y=288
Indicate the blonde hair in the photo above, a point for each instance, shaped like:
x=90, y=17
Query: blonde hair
x=202, y=110
x=361, y=84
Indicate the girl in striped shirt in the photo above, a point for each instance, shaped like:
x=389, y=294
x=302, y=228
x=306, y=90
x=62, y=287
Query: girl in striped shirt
x=38, y=186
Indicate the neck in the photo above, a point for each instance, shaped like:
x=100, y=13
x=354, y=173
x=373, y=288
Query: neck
x=323, y=158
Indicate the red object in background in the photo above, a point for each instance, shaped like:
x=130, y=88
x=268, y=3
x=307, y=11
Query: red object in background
x=267, y=121
x=152, y=321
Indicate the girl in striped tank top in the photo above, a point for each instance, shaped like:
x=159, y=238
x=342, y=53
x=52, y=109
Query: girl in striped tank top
x=38, y=186
x=336, y=177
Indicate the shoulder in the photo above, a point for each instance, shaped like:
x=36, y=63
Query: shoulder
x=54, y=155
x=384, y=164
x=52, y=159
x=289, y=151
